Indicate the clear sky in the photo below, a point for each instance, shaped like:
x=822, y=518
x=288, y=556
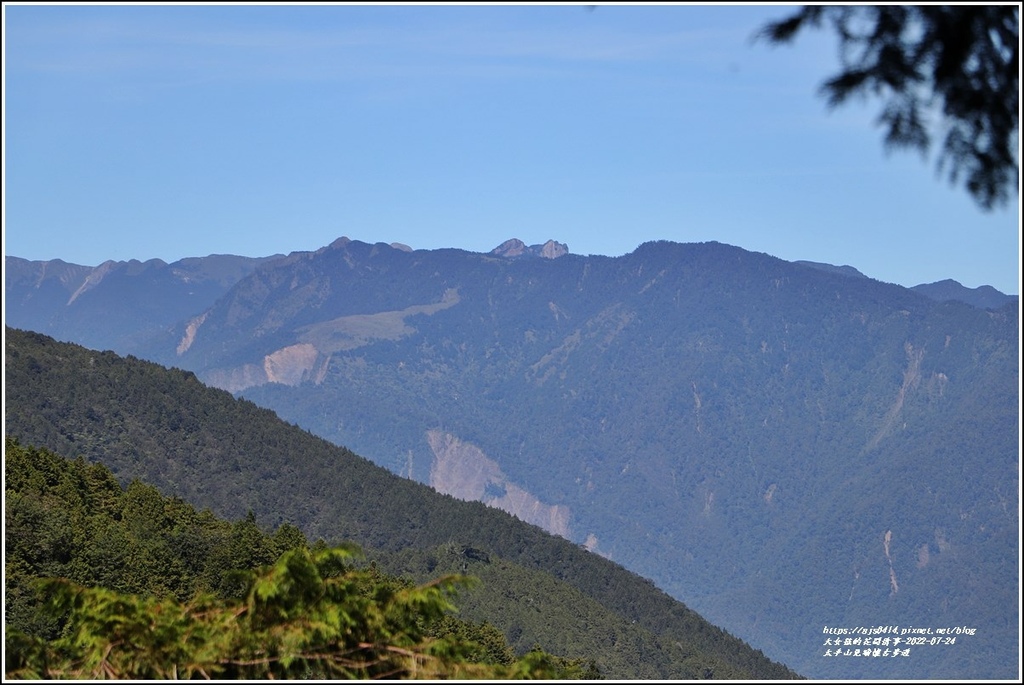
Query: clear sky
x=176, y=131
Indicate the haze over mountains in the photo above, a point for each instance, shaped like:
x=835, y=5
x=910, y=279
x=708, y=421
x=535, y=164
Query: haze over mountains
x=783, y=446
x=115, y=305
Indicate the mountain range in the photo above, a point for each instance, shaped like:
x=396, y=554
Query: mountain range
x=983, y=297
x=120, y=305
x=786, y=447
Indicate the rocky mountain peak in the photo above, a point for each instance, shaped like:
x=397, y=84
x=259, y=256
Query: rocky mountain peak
x=514, y=248
x=553, y=250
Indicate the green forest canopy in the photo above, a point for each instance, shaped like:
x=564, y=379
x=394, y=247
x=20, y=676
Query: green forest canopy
x=105, y=582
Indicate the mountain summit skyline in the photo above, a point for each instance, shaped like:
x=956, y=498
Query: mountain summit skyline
x=602, y=129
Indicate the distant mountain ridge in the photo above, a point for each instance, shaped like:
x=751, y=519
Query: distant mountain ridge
x=116, y=305
x=71, y=301
x=783, y=447
x=982, y=297
x=845, y=270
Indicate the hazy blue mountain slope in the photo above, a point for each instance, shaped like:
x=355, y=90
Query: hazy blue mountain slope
x=782, y=447
x=163, y=426
x=845, y=270
x=984, y=297
x=116, y=305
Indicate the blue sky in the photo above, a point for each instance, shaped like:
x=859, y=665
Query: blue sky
x=175, y=131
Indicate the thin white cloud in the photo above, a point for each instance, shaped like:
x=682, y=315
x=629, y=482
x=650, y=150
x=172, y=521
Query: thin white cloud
x=136, y=45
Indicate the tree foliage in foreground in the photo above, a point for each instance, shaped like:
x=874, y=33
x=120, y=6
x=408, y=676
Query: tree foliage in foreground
x=307, y=616
x=961, y=61
x=103, y=582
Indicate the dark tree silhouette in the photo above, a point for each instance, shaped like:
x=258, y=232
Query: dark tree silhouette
x=941, y=71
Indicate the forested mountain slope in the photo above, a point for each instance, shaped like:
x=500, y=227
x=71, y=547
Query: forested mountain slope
x=782, y=446
x=108, y=582
x=200, y=444
x=744, y=431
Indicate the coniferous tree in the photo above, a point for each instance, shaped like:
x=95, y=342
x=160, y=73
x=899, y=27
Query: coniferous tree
x=939, y=69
